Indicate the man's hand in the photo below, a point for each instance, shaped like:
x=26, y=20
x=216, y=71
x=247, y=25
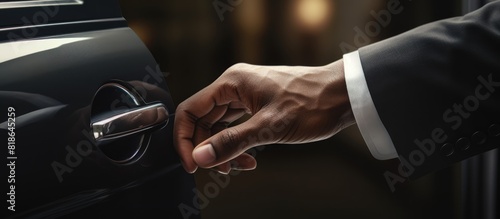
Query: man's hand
x=287, y=105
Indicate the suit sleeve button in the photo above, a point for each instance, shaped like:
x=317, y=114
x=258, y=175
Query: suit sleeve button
x=494, y=130
x=479, y=138
x=447, y=149
x=463, y=144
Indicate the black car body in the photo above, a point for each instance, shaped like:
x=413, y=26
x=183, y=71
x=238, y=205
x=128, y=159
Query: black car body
x=65, y=66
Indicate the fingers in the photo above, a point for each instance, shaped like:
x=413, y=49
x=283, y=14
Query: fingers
x=203, y=126
x=201, y=122
x=243, y=162
x=217, y=120
x=183, y=133
x=196, y=118
x=187, y=114
x=228, y=144
x=224, y=168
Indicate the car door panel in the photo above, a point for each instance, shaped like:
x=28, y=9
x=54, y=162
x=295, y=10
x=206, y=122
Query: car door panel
x=52, y=81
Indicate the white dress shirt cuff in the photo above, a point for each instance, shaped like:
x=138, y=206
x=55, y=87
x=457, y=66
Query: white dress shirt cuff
x=371, y=127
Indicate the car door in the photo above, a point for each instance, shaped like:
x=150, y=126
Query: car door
x=85, y=116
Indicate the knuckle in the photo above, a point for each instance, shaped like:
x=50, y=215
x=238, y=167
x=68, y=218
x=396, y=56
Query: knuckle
x=236, y=72
x=238, y=67
x=182, y=106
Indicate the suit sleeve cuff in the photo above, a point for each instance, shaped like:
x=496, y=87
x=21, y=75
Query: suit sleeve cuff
x=371, y=127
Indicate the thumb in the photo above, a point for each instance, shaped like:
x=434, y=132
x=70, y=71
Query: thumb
x=228, y=144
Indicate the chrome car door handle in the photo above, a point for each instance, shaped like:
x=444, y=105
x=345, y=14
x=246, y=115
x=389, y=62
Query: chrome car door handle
x=130, y=122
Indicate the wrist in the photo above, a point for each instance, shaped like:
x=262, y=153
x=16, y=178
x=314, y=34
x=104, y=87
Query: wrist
x=339, y=93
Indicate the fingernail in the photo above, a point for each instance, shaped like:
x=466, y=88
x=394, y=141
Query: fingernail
x=185, y=166
x=204, y=155
x=224, y=168
x=222, y=172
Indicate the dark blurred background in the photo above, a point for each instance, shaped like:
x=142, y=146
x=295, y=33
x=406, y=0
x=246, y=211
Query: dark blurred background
x=336, y=178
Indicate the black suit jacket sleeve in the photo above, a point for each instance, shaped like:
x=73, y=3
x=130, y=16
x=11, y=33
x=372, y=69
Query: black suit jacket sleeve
x=437, y=89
